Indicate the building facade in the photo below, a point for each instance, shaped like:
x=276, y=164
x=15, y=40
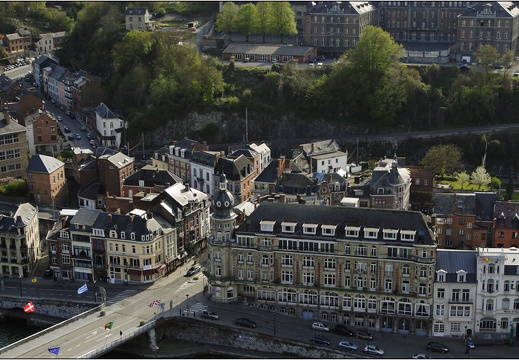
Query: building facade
x=47, y=182
x=365, y=267
x=13, y=148
x=506, y=224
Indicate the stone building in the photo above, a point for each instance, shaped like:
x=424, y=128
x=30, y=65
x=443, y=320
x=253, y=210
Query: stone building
x=13, y=148
x=365, y=267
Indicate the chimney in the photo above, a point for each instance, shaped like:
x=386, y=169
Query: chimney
x=6, y=116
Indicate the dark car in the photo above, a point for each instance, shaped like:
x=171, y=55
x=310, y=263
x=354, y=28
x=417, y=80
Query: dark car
x=71, y=137
x=193, y=270
x=342, y=330
x=362, y=334
x=48, y=273
x=66, y=129
x=438, y=347
x=320, y=58
x=471, y=343
x=78, y=137
x=245, y=322
x=311, y=60
x=321, y=340
x=82, y=128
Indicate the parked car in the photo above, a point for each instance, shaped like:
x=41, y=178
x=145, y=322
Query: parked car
x=209, y=315
x=373, y=350
x=420, y=356
x=193, y=270
x=342, y=330
x=78, y=137
x=71, y=137
x=89, y=137
x=362, y=334
x=347, y=345
x=438, y=347
x=320, y=57
x=59, y=118
x=245, y=322
x=321, y=340
x=320, y=327
x=53, y=101
x=82, y=128
x=66, y=129
x=311, y=60
x=471, y=343
x=92, y=142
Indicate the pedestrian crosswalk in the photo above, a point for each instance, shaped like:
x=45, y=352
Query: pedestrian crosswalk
x=188, y=284
x=121, y=296
x=196, y=307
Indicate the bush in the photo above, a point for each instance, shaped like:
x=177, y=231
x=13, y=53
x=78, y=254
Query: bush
x=102, y=313
x=141, y=323
x=17, y=187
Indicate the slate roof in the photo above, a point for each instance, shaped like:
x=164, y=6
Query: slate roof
x=316, y=148
x=23, y=216
x=248, y=153
x=485, y=202
x=506, y=213
x=127, y=223
x=208, y=158
x=269, y=174
x=455, y=203
x=11, y=127
x=259, y=49
x=455, y=260
x=188, y=145
x=104, y=112
x=85, y=217
x=151, y=176
x=234, y=169
x=501, y=9
x=44, y=164
x=90, y=191
x=295, y=183
x=45, y=60
x=340, y=216
x=58, y=72
x=347, y=7
x=135, y=11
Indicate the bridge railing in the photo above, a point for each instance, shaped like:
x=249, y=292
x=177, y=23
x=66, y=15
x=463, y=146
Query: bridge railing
x=115, y=343
x=49, y=329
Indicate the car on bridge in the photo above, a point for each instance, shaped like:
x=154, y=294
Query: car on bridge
x=209, y=315
x=245, y=322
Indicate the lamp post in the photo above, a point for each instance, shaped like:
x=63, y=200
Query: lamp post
x=187, y=302
x=21, y=294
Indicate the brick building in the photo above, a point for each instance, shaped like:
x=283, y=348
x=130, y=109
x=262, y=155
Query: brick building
x=47, y=182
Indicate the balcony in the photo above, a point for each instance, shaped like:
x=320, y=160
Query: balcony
x=425, y=260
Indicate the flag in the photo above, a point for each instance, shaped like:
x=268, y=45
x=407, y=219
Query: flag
x=54, y=350
x=154, y=302
x=34, y=280
x=82, y=289
x=109, y=325
x=29, y=308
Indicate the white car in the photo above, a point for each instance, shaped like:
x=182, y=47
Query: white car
x=373, y=350
x=320, y=327
x=347, y=345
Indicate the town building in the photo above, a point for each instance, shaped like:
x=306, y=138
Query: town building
x=26, y=104
x=108, y=127
x=9, y=89
x=42, y=133
x=113, y=169
x=48, y=42
x=179, y=157
x=422, y=189
x=240, y=176
x=18, y=42
x=268, y=53
x=320, y=157
x=47, y=182
x=19, y=242
x=497, y=300
x=455, y=289
x=13, y=148
x=160, y=158
x=45, y=61
x=202, y=170
x=148, y=179
x=506, y=227
x=370, y=268
x=265, y=154
x=334, y=27
x=138, y=18
x=59, y=243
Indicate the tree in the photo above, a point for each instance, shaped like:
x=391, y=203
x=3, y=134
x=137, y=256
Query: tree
x=487, y=56
x=480, y=177
x=283, y=19
x=247, y=20
x=264, y=13
x=443, y=159
x=495, y=183
x=510, y=189
x=226, y=18
x=462, y=178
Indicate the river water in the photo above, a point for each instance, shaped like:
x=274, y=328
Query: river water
x=12, y=330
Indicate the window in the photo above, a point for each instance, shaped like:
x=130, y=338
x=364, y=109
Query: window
x=329, y=264
x=440, y=309
x=329, y=279
x=308, y=262
x=308, y=279
x=286, y=277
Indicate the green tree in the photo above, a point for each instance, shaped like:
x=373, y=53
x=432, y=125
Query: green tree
x=17, y=187
x=462, y=178
x=283, y=19
x=443, y=159
x=226, y=18
x=495, y=183
x=264, y=13
x=510, y=189
x=480, y=177
x=487, y=56
x=247, y=20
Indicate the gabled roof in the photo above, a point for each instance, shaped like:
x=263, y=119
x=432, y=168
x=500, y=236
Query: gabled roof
x=269, y=175
x=248, y=153
x=119, y=159
x=85, y=217
x=454, y=260
x=316, y=148
x=234, y=169
x=208, y=158
x=44, y=164
x=135, y=11
x=506, y=212
x=151, y=177
x=10, y=126
x=455, y=203
x=90, y=191
x=104, y=112
x=181, y=195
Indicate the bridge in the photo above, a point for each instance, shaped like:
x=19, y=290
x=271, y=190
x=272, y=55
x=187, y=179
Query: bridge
x=89, y=335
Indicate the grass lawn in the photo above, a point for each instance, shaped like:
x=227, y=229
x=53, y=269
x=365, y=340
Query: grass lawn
x=456, y=185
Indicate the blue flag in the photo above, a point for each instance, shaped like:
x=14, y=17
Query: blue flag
x=82, y=289
x=54, y=350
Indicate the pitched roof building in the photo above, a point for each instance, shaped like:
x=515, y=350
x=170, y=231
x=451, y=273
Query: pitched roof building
x=47, y=182
x=13, y=148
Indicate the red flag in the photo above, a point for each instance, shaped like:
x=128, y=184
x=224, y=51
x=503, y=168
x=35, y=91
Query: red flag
x=29, y=308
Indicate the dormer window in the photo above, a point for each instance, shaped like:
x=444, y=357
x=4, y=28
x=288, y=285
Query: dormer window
x=267, y=225
x=132, y=236
x=371, y=233
x=390, y=234
x=462, y=275
x=113, y=234
x=441, y=275
x=64, y=234
x=328, y=230
x=288, y=227
x=352, y=231
x=309, y=229
x=407, y=235
x=141, y=182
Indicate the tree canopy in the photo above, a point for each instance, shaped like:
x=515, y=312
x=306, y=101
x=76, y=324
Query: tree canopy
x=443, y=159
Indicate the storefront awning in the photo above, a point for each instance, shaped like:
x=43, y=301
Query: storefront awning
x=160, y=269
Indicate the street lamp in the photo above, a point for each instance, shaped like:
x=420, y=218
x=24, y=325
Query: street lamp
x=21, y=294
x=187, y=302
